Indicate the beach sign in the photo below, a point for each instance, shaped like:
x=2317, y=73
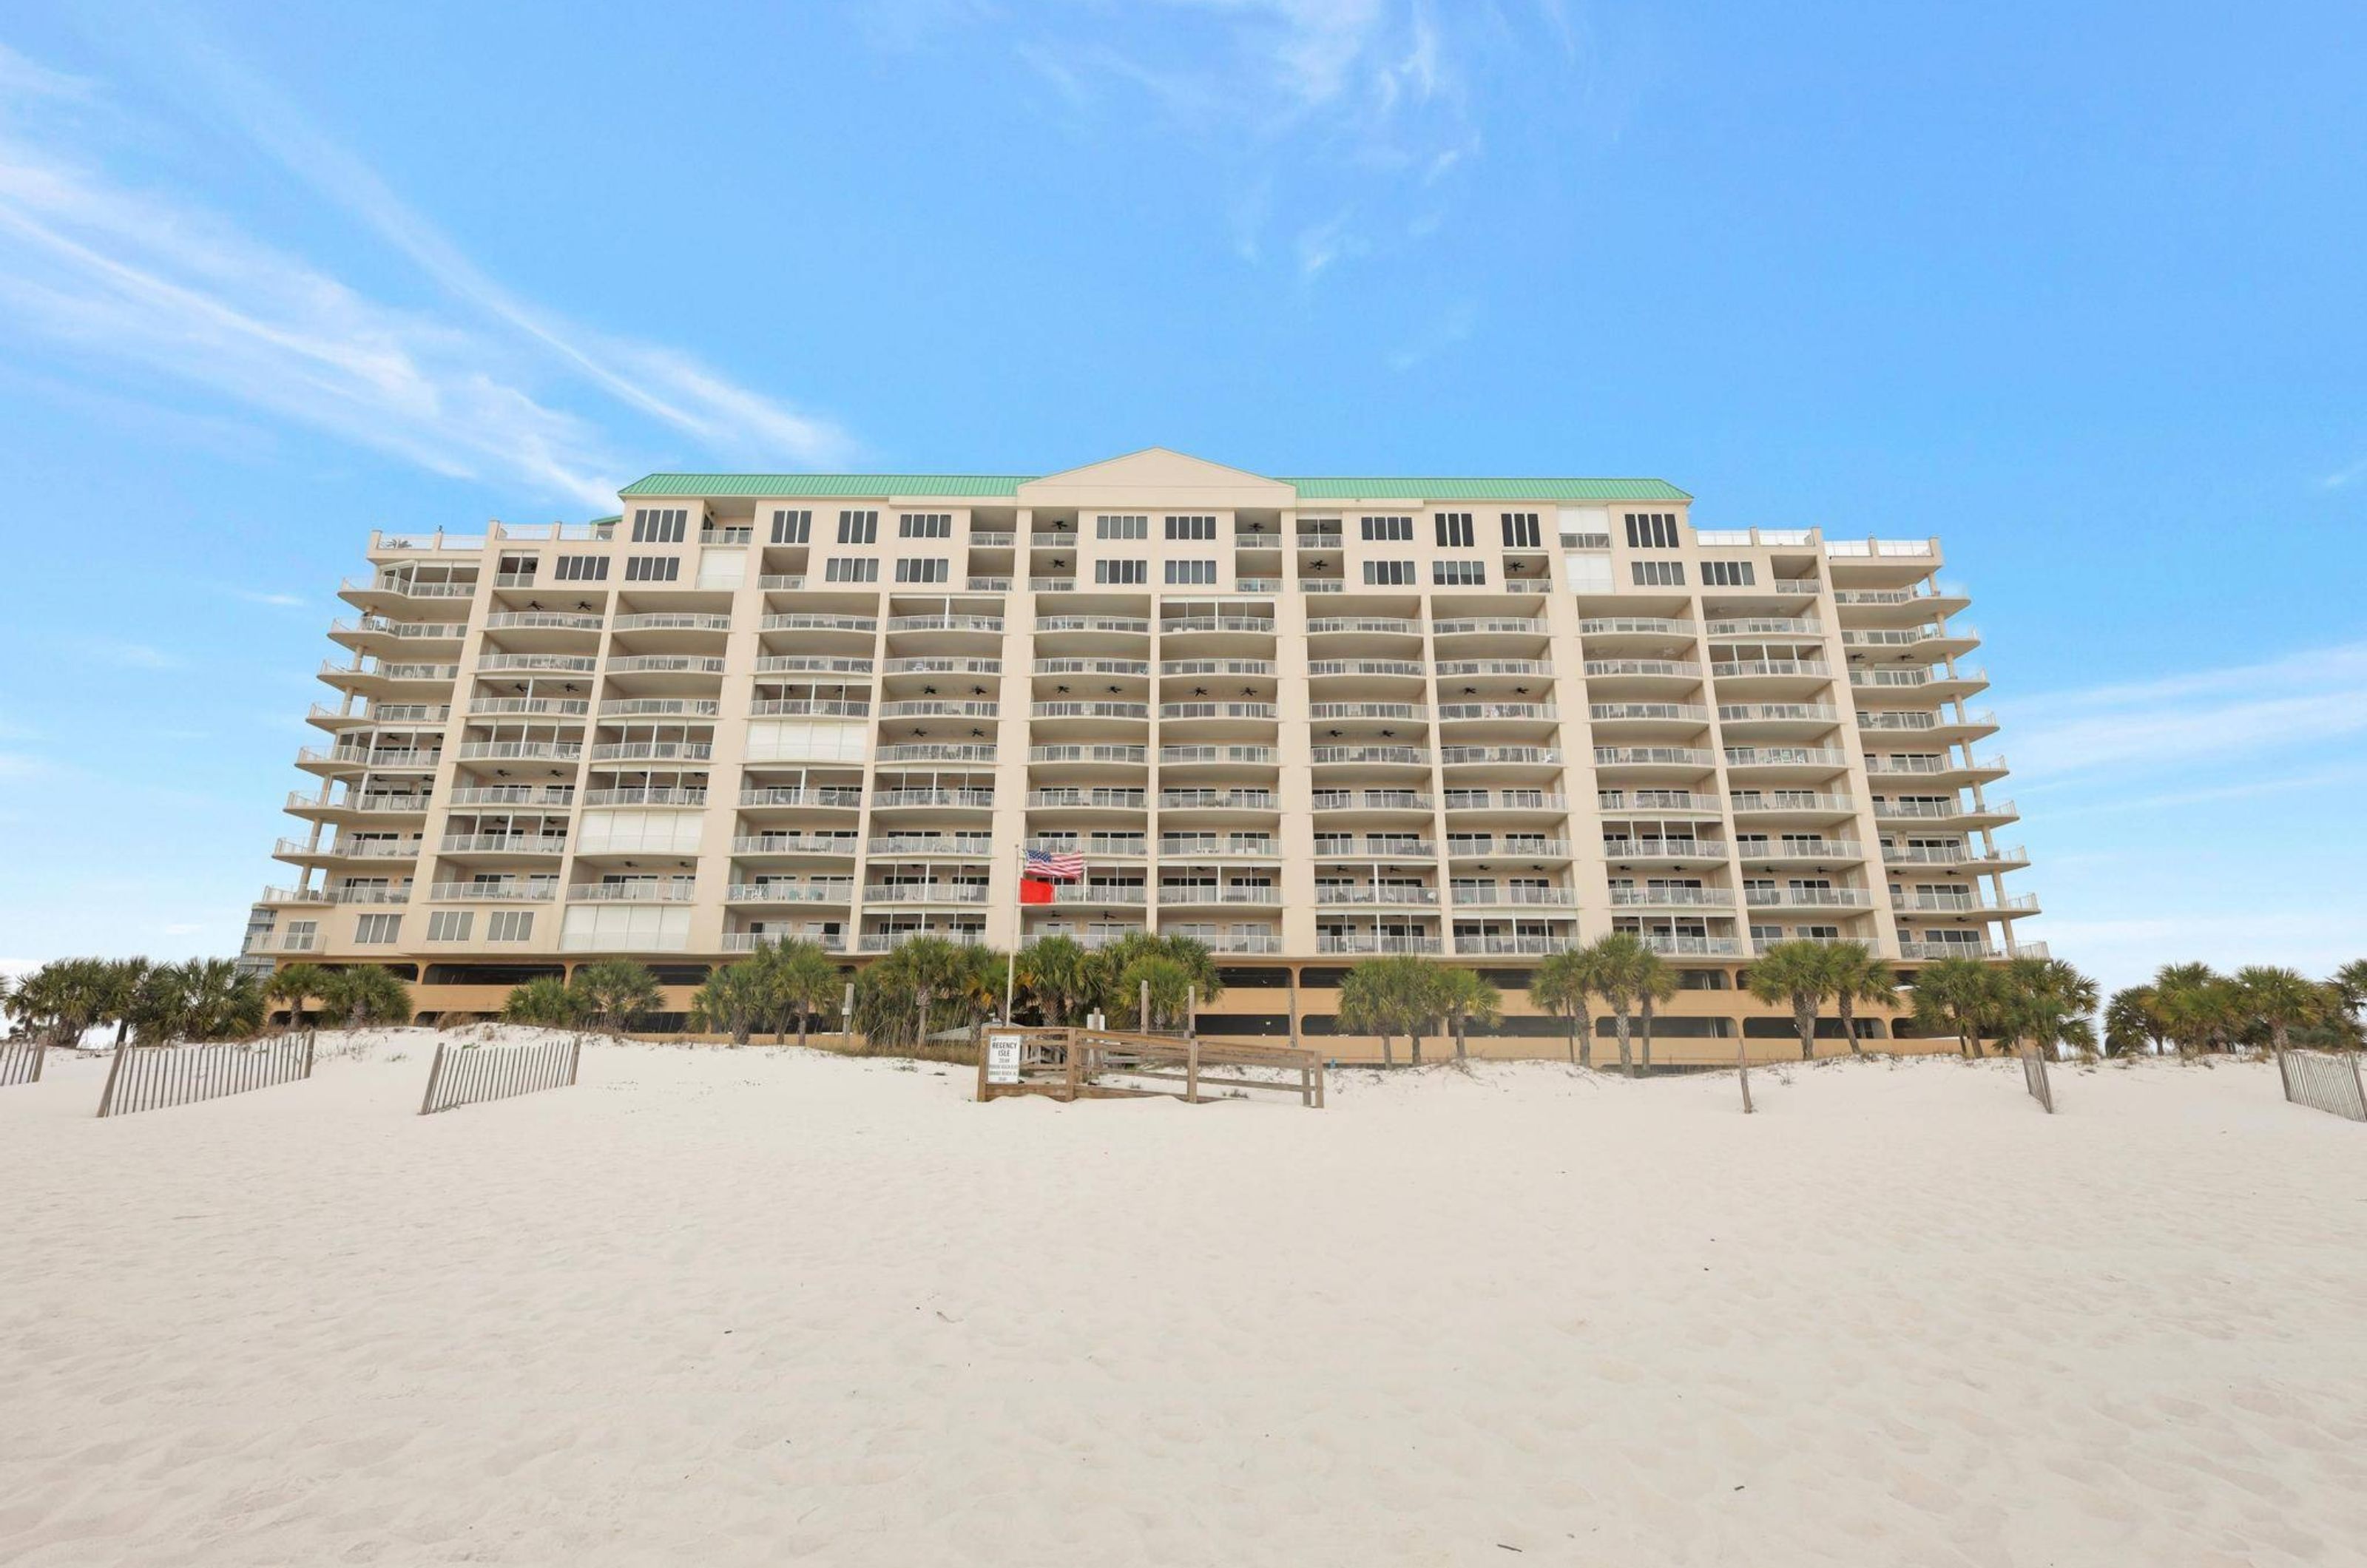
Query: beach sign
x=1003, y=1057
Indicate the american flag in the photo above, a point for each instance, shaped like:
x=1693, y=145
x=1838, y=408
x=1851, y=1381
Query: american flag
x=1068, y=866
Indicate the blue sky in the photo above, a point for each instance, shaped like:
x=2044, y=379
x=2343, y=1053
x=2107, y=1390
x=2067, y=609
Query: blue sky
x=2076, y=289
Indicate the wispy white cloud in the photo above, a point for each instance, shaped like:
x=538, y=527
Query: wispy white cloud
x=2314, y=698
x=279, y=601
x=2343, y=477
x=100, y=265
x=1451, y=326
x=128, y=655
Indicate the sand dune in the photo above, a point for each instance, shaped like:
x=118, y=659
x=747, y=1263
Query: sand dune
x=739, y=1307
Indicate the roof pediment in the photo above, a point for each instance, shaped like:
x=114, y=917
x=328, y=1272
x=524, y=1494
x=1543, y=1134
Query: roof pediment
x=1157, y=476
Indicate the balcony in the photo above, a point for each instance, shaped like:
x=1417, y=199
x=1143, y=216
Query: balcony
x=1978, y=814
x=1672, y=852
x=1673, y=944
x=368, y=849
x=504, y=843
x=653, y=751
x=908, y=799
x=1370, y=756
x=1687, y=757
x=1373, y=669
x=1794, y=802
x=781, y=582
x=666, y=664
x=560, y=796
x=2002, y=858
x=1112, y=755
x=965, y=846
x=989, y=625
x=1099, y=894
x=496, y=890
x=842, y=798
x=519, y=751
x=1819, y=851
x=1509, y=946
x=541, y=620
x=1085, y=799
x=840, y=664
x=1643, y=670
x=649, y=890
x=1673, y=897
x=1406, y=897
x=1691, y=715
x=817, y=621
x=1133, y=668
x=674, y=621
x=1216, y=800
x=1778, y=629
x=1344, y=846
x=1368, y=941
x=936, y=752
x=1242, y=756
x=1492, y=625
x=889, y=941
x=1921, y=903
x=1809, y=897
x=840, y=892
x=1638, y=625
x=1136, y=712
x=1174, y=897
x=1505, y=713
x=512, y=707
x=390, y=805
x=498, y=663
x=749, y=941
x=1880, y=550
x=1251, y=712
x=1480, y=898
x=838, y=844
x=647, y=794
x=1815, y=758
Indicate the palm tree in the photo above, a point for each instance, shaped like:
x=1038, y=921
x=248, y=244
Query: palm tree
x=933, y=968
x=295, y=984
x=1062, y=978
x=119, y=983
x=799, y=979
x=732, y=1002
x=1798, y=973
x=63, y=1000
x=1858, y=975
x=1171, y=990
x=2131, y=1026
x=1560, y=986
x=1656, y=982
x=2043, y=997
x=2196, y=1005
x=2350, y=984
x=1468, y=998
x=363, y=994
x=1619, y=965
x=546, y=1000
x=2279, y=1001
x=1198, y=963
x=1364, y=1010
x=617, y=993
x=1959, y=996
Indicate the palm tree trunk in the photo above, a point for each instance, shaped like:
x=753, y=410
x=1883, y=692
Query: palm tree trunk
x=923, y=994
x=1849, y=1023
x=1460, y=1052
x=801, y=1030
x=1389, y=1051
x=1414, y=1040
x=1644, y=1045
x=1805, y=1018
x=1626, y=1057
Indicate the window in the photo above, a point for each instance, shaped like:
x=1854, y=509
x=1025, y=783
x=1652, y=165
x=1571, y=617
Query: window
x=1453, y=530
x=921, y=570
x=1519, y=530
x=1651, y=530
x=1121, y=571
x=850, y=569
x=449, y=925
x=509, y=925
x=792, y=527
x=1387, y=529
x=858, y=527
x=1726, y=574
x=660, y=527
x=1121, y=527
x=925, y=525
x=653, y=569
x=1192, y=572
x=1458, y=573
x=1658, y=573
x=515, y=567
x=1389, y=573
x=583, y=568
x=1191, y=528
x=377, y=931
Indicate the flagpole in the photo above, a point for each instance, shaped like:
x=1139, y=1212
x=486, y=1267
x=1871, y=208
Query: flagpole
x=1018, y=923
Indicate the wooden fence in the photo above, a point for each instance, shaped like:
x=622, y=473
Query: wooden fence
x=154, y=1078
x=2035, y=1079
x=471, y=1075
x=1088, y=1064
x=2325, y=1082
x=20, y=1061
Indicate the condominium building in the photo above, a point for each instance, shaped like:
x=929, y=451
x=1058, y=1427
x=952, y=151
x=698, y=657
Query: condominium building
x=1303, y=720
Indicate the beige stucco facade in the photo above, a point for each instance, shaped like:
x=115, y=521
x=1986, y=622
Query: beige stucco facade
x=1482, y=719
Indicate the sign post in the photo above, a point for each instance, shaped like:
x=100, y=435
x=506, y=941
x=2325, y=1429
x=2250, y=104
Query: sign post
x=1002, y=1053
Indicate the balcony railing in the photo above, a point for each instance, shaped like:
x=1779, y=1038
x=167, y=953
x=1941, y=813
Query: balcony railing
x=927, y=845
x=541, y=620
x=936, y=752
x=1735, y=670
x=1809, y=897
x=836, y=664
x=1456, y=712
x=1365, y=941
x=653, y=751
x=1169, y=896
x=817, y=621
x=1776, y=627
x=520, y=751
x=505, y=890
x=1217, y=799
x=1216, y=710
x=556, y=707
x=945, y=623
x=674, y=621
x=1089, y=710
x=1750, y=712
x=1200, y=848
x=838, y=892
x=1384, y=895
x=965, y=799
x=514, y=794
x=556, y=663
x=1344, y=846
x=925, y=893
x=1676, y=944
x=1391, y=625
x=1638, y=625
x=673, y=890
x=1115, y=799
x=803, y=795
x=1785, y=757
x=1084, y=753
x=798, y=844
x=1391, y=668
x=1507, y=946
x=1669, y=713
x=1470, y=896
x=1653, y=757
x=749, y=941
x=1683, y=897
x=1405, y=756
x=1952, y=854
x=1677, y=668
x=504, y=843
x=647, y=794
x=1252, y=755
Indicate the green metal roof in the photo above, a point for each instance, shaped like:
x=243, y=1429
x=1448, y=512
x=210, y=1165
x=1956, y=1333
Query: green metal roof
x=990, y=486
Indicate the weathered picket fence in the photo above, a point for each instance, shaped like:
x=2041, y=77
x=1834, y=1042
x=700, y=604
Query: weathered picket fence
x=2035, y=1079
x=470, y=1075
x=20, y=1061
x=155, y=1077
x=2325, y=1082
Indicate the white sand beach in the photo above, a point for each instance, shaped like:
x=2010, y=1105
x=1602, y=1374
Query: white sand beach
x=754, y=1307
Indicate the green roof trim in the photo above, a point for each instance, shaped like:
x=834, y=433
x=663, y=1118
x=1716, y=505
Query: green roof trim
x=1488, y=489
x=1006, y=486
x=858, y=485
